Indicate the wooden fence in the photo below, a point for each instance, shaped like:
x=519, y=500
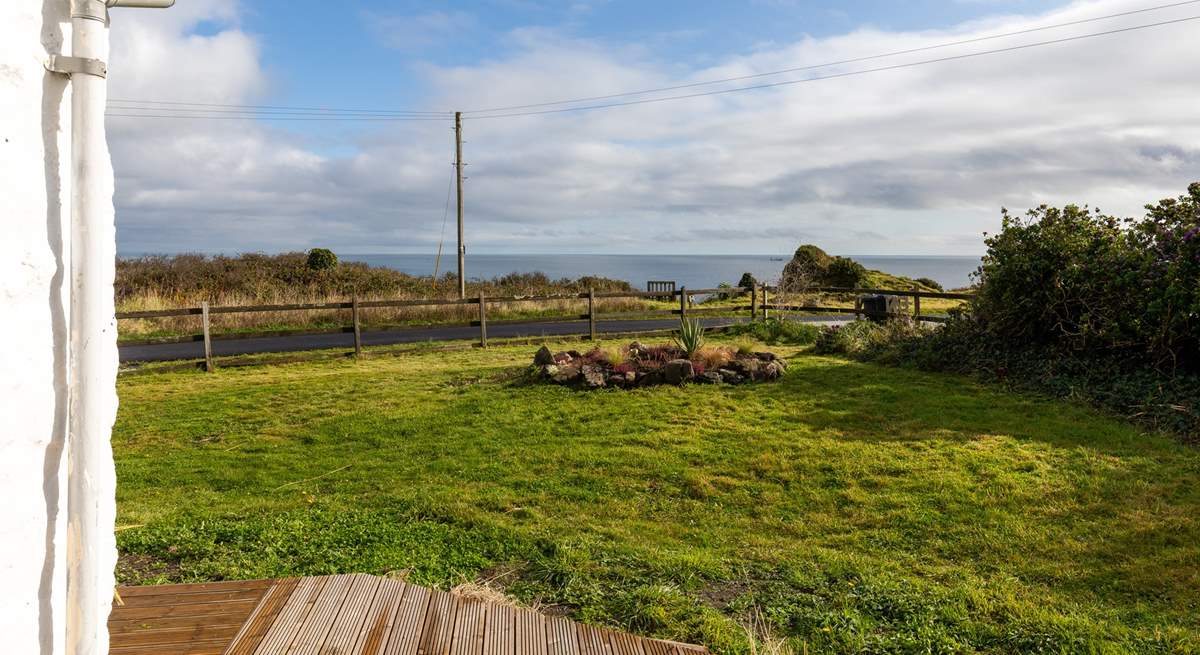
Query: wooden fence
x=759, y=306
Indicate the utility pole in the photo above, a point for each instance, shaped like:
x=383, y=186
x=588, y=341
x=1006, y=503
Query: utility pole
x=458, y=166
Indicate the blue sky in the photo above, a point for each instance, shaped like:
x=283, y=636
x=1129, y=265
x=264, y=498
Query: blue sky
x=914, y=161
x=323, y=53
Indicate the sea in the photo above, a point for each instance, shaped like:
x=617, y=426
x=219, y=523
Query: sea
x=693, y=271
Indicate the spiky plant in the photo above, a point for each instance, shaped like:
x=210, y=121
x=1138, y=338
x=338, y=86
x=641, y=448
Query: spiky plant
x=690, y=338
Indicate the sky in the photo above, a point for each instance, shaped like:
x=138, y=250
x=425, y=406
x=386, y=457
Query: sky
x=913, y=161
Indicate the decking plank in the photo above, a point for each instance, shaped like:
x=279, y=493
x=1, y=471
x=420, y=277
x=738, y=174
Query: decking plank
x=317, y=624
x=405, y=637
x=468, y=627
x=289, y=620
x=173, y=637
x=351, y=615
x=346, y=625
x=200, y=587
x=500, y=634
x=201, y=609
x=624, y=643
x=263, y=616
x=209, y=647
x=561, y=637
x=438, y=629
x=117, y=627
x=379, y=618
x=530, y=633
x=193, y=598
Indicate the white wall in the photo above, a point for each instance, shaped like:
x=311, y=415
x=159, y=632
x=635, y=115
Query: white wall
x=35, y=155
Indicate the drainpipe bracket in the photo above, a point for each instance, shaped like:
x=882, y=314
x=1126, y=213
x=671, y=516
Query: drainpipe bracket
x=76, y=65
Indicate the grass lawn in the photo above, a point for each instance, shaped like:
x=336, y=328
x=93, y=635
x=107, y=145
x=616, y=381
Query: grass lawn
x=857, y=508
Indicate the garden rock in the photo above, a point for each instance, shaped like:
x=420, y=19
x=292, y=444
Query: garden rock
x=639, y=365
x=731, y=376
x=678, y=371
x=543, y=357
x=593, y=376
x=567, y=374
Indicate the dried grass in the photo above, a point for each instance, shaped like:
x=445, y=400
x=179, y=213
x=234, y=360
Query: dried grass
x=156, y=283
x=762, y=638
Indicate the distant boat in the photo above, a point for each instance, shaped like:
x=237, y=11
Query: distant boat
x=779, y=259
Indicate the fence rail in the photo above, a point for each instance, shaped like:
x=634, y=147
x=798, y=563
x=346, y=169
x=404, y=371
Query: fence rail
x=759, y=307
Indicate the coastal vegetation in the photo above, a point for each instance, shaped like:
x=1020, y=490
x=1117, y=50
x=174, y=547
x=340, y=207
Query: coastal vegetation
x=850, y=506
x=1075, y=303
x=159, y=282
x=166, y=282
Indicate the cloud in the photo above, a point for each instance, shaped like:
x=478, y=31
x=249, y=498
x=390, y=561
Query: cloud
x=417, y=32
x=917, y=160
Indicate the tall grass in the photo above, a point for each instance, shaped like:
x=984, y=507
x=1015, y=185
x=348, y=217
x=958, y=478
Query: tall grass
x=162, y=282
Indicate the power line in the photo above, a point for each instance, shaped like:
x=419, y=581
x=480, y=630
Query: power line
x=855, y=60
x=279, y=118
x=281, y=107
x=266, y=111
x=303, y=114
x=841, y=75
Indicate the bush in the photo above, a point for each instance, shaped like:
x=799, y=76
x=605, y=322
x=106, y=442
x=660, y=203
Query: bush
x=929, y=282
x=861, y=337
x=321, y=259
x=1076, y=279
x=774, y=331
x=747, y=281
x=1076, y=304
x=845, y=272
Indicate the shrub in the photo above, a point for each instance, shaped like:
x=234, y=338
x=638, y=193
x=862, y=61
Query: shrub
x=845, y=272
x=929, y=282
x=321, y=259
x=1077, y=304
x=747, y=281
x=775, y=331
x=1076, y=279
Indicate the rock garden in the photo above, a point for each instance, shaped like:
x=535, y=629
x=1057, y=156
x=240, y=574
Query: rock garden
x=639, y=365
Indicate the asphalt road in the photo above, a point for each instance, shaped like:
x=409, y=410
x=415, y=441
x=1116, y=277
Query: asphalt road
x=162, y=352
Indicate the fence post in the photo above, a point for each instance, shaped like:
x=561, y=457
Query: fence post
x=592, y=313
x=482, y=321
x=357, y=330
x=753, y=302
x=683, y=303
x=208, y=359
x=764, y=303
x=916, y=304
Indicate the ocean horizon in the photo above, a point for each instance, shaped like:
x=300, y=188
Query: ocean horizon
x=694, y=271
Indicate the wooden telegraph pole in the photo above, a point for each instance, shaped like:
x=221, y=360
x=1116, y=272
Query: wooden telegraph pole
x=458, y=166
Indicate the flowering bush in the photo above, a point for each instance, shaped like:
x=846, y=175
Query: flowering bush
x=1091, y=283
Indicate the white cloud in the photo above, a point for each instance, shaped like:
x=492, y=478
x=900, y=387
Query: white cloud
x=917, y=160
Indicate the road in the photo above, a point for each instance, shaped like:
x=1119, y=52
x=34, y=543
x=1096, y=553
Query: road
x=162, y=352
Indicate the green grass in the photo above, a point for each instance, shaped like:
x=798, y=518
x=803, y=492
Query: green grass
x=860, y=508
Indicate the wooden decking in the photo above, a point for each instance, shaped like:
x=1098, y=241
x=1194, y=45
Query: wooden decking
x=349, y=615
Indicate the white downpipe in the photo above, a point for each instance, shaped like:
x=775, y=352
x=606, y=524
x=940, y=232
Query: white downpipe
x=91, y=482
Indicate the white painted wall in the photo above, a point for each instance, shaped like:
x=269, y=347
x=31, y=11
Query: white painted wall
x=35, y=175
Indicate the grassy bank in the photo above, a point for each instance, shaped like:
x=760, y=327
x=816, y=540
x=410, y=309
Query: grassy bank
x=858, y=508
x=160, y=282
